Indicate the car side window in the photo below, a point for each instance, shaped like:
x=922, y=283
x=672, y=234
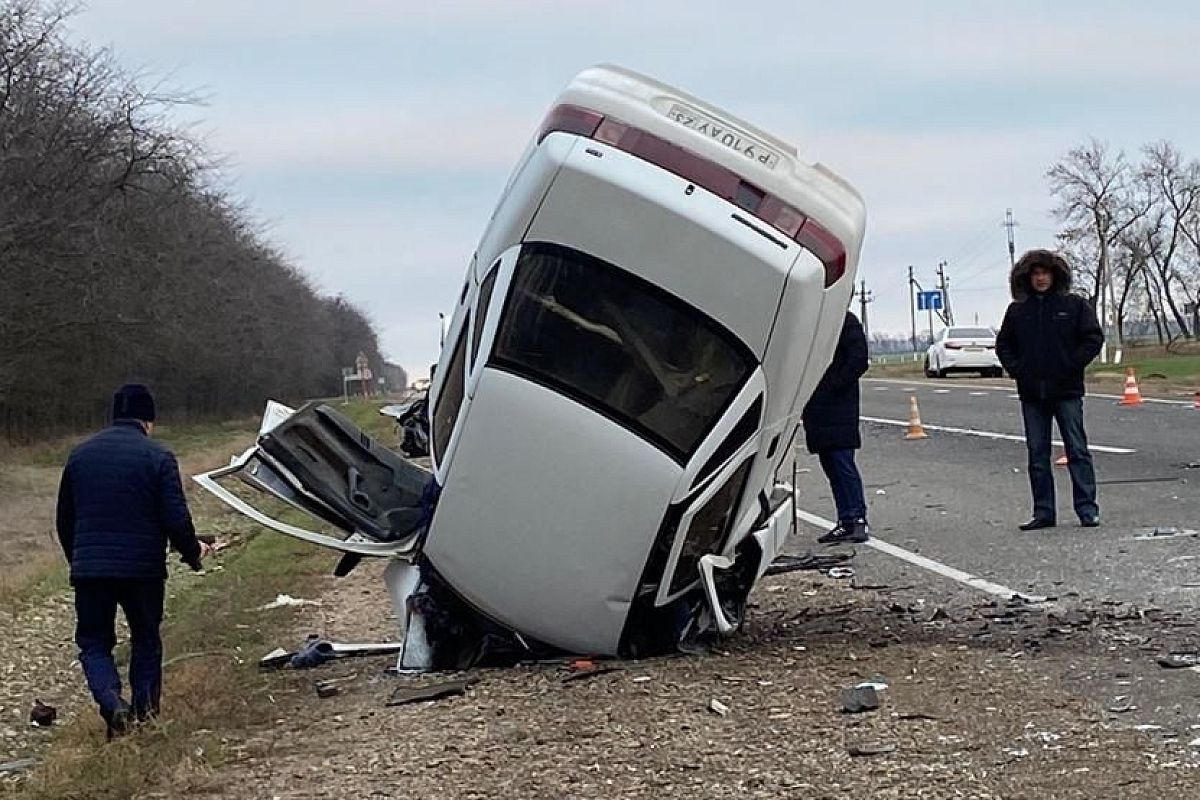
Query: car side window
x=451, y=397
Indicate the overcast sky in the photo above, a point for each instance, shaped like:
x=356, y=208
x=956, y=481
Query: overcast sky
x=372, y=138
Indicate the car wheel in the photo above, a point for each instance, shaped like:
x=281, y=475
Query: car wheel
x=928, y=371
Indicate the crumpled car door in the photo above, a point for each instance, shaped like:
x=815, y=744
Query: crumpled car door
x=318, y=462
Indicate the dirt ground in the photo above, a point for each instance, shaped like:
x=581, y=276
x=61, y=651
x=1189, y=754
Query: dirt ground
x=979, y=703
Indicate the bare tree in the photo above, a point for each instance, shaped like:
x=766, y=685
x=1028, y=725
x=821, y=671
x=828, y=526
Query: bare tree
x=1093, y=189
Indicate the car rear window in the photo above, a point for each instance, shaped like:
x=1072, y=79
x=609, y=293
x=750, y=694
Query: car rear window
x=971, y=333
x=620, y=345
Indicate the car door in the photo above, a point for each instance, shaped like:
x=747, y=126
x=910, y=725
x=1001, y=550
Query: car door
x=367, y=499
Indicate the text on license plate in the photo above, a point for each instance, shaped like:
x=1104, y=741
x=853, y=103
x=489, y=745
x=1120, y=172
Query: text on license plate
x=723, y=134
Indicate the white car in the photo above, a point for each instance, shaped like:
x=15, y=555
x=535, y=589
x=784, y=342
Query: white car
x=657, y=293
x=963, y=349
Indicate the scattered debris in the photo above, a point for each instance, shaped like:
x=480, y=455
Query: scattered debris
x=1163, y=532
x=317, y=651
x=878, y=686
x=584, y=674
x=859, y=698
x=20, y=765
x=283, y=600
x=326, y=689
x=717, y=707
x=42, y=715
x=870, y=748
x=1178, y=660
x=433, y=691
x=819, y=563
x=918, y=715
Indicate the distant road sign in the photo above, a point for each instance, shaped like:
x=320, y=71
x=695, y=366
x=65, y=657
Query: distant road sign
x=929, y=301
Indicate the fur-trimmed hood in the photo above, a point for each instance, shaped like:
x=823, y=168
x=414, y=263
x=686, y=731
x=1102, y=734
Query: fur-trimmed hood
x=1018, y=279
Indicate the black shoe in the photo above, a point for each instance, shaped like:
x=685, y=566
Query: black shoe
x=117, y=721
x=1090, y=521
x=834, y=535
x=855, y=532
x=1037, y=524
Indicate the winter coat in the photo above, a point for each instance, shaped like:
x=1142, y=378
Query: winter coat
x=831, y=416
x=1047, y=339
x=119, y=504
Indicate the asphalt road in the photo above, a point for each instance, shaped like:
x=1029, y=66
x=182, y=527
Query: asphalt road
x=957, y=498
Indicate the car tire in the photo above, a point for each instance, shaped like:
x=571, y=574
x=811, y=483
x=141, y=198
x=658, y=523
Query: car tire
x=928, y=371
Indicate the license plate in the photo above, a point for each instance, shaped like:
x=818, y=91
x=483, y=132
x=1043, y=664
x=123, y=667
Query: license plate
x=722, y=133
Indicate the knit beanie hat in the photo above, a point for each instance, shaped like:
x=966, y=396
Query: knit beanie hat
x=133, y=401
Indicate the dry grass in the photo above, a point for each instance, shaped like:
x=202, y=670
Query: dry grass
x=213, y=636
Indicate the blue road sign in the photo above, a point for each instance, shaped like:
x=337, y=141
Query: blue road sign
x=929, y=301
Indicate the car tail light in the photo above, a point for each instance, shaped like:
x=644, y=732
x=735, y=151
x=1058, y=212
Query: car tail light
x=570, y=119
x=954, y=346
x=723, y=182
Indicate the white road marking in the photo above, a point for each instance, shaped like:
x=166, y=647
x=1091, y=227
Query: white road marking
x=882, y=388
x=978, y=394
x=965, y=578
x=941, y=391
x=1099, y=448
x=993, y=388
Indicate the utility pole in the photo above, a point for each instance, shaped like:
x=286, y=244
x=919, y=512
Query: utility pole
x=912, y=308
x=865, y=297
x=1010, y=223
x=944, y=284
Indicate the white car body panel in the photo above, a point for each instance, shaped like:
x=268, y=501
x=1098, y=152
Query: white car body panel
x=552, y=512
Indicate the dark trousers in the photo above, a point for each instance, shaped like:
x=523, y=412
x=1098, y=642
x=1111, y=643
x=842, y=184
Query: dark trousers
x=1069, y=414
x=845, y=482
x=96, y=601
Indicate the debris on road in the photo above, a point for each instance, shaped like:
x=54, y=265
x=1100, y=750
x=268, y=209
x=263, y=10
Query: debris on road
x=42, y=715
x=859, y=698
x=824, y=563
x=870, y=749
x=429, y=692
x=287, y=601
x=718, y=708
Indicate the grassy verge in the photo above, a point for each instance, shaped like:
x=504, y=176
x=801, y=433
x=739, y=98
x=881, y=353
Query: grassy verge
x=213, y=637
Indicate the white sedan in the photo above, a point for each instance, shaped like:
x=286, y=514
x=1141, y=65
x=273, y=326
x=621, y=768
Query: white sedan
x=963, y=350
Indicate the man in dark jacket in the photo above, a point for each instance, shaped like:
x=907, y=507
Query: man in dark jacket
x=831, y=431
x=119, y=505
x=1047, y=338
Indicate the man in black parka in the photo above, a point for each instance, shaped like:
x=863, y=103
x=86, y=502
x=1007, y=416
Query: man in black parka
x=1047, y=338
x=831, y=432
x=120, y=504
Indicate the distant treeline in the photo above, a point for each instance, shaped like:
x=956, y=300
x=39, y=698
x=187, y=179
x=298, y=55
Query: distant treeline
x=121, y=258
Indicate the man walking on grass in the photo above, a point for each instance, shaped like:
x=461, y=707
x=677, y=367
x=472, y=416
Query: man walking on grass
x=1047, y=338
x=120, y=504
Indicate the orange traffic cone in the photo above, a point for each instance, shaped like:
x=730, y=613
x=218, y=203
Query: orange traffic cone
x=1133, y=396
x=915, y=430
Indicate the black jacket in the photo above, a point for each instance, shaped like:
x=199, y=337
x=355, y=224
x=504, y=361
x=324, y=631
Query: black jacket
x=120, y=503
x=1047, y=339
x=831, y=416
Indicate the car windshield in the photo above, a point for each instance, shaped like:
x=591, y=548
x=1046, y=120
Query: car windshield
x=970, y=333
x=620, y=345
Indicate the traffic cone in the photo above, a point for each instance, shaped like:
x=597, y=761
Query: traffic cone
x=915, y=431
x=1133, y=396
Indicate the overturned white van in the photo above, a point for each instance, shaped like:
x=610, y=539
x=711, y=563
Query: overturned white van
x=658, y=291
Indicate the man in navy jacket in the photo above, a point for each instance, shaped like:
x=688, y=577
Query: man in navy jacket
x=831, y=431
x=120, y=504
x=1046, y=340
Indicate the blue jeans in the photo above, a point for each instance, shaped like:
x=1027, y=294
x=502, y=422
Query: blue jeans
x=96, y=601
x=845, y=482
x=1069, y=413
